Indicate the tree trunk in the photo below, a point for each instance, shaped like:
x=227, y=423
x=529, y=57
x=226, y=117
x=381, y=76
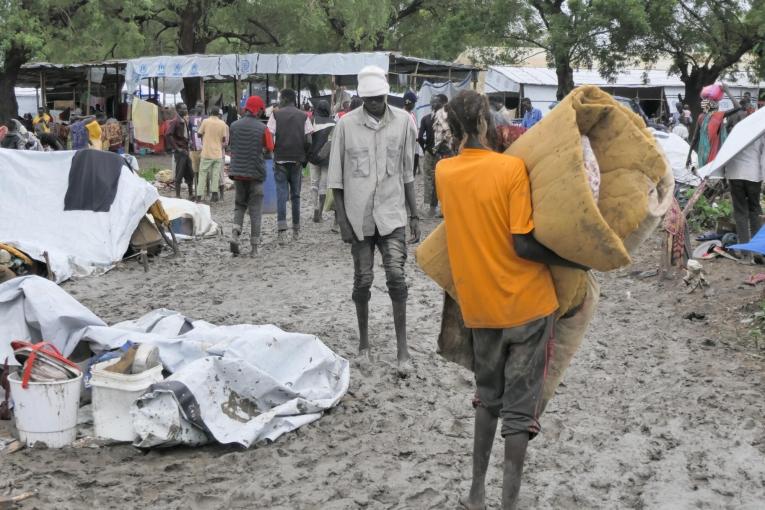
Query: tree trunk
x=565, y=78
x=14, y=58
x=9, y=108
x=188, y=44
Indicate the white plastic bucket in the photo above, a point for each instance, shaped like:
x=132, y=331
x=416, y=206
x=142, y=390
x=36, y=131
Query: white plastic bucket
x=46, y=412
x=113, y=394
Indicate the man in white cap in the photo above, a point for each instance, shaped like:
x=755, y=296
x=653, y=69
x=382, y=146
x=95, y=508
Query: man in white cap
x=371, y=174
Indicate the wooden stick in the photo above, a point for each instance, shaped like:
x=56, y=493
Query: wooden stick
x=17, y=499
x=12, y=447
x=51, y=274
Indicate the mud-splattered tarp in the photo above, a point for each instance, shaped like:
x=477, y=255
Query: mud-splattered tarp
x=231, y=384
x=254, y=383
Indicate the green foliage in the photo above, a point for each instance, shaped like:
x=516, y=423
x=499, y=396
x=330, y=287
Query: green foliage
x=757, y=327
x=705, y=39
x=706, y=215
x=149, y=174
x=575, y=33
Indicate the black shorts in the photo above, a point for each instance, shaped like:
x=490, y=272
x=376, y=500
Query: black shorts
x=510, y=369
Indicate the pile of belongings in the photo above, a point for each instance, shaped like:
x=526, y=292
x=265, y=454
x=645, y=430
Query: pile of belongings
x=716, y=245
x=593, y=211
x=42, y=362
x=239, y=384
x=14, y=262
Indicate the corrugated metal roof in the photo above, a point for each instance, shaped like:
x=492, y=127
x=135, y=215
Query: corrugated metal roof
x=626, y=78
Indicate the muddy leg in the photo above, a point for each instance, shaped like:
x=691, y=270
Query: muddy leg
x=485, y=429
x=362, y=315
x=515, y=455
x=399, y=320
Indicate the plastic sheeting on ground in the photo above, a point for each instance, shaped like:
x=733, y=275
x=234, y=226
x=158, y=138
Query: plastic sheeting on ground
x=743, y=135
x=204, y=226
x=232, y=384
x=79, y=243
x=676, y=149
x=35, y=309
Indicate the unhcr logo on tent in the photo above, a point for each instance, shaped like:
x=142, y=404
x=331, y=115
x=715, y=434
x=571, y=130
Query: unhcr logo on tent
x=160, y=69
x=245, y=66
x=143, y=69
x=177, y=71
x=194, y=69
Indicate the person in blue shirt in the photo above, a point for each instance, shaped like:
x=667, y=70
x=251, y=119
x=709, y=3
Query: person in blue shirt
x=531, y=115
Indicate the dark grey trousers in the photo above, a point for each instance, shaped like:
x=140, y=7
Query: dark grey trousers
x=393, y=250
x=746, y=208
x=249, y=197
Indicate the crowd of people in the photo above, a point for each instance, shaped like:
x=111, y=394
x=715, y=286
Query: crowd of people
x=71, y=130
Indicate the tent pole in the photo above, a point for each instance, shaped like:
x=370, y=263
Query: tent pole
x=236, y=92
x=298, y=89
x=202, y=94
x=87, y=105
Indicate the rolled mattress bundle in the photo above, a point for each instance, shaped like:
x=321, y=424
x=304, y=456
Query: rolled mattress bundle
x=635, y=190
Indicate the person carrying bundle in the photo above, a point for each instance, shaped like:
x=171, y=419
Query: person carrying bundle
x=504, y=285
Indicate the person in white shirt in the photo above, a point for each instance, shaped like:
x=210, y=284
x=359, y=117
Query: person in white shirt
x=745, y=174
x=681, y=131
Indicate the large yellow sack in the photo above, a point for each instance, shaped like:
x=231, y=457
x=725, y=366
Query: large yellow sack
x=636, y=186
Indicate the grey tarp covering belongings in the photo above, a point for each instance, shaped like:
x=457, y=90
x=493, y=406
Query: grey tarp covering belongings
x=78, y=243
x=232, y=384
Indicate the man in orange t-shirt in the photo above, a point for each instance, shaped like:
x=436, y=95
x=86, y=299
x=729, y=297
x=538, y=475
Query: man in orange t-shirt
x=504, y=288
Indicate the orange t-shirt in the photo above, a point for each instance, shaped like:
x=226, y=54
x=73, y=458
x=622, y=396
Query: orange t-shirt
x=485, y=198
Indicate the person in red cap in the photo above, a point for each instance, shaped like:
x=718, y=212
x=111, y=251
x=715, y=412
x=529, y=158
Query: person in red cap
x=248, y=141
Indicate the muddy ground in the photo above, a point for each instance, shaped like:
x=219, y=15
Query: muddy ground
x=657, y=411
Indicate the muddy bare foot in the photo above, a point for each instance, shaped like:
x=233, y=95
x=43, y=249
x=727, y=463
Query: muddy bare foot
x=404, y=368
x=466, y=504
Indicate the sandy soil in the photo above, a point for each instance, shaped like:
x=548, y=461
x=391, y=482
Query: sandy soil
x=657, y=411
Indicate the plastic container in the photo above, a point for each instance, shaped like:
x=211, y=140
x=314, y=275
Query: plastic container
x=113, y=394
x=269, y=189
x=46, y=412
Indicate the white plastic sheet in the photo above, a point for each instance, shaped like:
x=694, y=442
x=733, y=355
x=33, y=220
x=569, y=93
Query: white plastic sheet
x=204, y=226
x=79, y=243
x=35, y=309
x=676, y=149
x=428, y=90
x=232, y=384
x=170, y=66
x=744, y=133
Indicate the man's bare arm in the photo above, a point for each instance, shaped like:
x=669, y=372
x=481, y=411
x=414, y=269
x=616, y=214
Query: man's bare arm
x=527, y=247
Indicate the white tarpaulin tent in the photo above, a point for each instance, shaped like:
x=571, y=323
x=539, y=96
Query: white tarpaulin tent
x=174, y=67
x=676, y=150
x=32, y=189
x=745, y=132
x=540, y=84
x=231, y=384
x=241, y=66
x=428, y=90
x=337, y=64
